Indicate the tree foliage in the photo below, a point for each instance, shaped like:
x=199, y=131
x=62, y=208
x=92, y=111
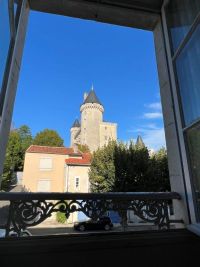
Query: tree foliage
x=25, y=137
x=120, y=167
x=18, y=142
x=158, y=174
x=48, y=137
x=83, y=148
x=102, y=171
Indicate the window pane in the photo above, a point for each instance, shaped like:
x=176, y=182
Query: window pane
x=45, y=164
x=193, y=140
x=16, y=13
x=4, y=37
x=181, y=15
x=15, y=9
x=188, y=74
x=44, y=186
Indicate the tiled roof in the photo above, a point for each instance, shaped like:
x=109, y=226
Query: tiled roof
x=50, y=150
x=85, y=160
x=140, y=142
x=76, y=124
x=92, y=98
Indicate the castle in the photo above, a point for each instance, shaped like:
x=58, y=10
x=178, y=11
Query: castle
x=92, y=130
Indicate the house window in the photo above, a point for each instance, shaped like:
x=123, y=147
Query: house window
x=76, y=182
x=45, y=164
x=44, y=186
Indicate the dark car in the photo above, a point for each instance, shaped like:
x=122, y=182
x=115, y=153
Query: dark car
x=103, y=223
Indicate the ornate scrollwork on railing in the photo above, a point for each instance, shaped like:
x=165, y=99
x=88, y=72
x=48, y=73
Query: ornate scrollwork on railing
x=30, y=209
x=23, y=214
x=154, y=211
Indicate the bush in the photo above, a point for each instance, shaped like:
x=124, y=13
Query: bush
x=60, y=216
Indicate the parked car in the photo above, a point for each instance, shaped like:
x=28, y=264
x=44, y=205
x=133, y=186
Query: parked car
x=13, y=234
x=103, y=223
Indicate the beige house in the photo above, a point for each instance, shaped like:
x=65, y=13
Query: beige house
x=56, y=169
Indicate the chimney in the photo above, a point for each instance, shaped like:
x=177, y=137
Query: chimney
x=85, y=96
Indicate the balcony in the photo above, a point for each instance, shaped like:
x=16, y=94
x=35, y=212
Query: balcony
x=31, y=209
x=165, y=246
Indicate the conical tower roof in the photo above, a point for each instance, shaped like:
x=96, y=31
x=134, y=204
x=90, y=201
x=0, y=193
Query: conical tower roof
x=140, y=142
x=76, y=124
x=92, y=98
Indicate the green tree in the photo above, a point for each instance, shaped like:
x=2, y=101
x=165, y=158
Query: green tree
x=25, y=137
x=19, y=140
x=48, y=137
x=131, y=166
x=158, y=173
x=119, y=167
x=83, y=148
x=102, y=170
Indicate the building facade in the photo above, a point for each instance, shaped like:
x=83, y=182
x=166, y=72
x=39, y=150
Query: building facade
x=92, y=130
x=56, y=169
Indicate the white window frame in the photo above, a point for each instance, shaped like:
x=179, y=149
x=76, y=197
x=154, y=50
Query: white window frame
x=47, y=168
x=44, y=180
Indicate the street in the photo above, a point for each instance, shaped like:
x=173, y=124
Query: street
x=68, y=229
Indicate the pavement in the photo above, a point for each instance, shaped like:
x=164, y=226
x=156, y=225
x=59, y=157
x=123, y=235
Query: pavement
x=51, y=228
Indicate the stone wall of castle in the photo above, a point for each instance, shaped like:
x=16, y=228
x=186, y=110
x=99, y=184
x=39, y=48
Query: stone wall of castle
x=91, y=117
x=108, y=131
x=93, y=131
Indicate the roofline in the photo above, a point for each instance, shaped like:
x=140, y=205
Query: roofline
x=37, y=152
x=80, y=164
x=56, y=147
x=50, y=146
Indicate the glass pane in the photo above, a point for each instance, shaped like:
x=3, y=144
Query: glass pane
x=193, y=140
x=180, y=16
x=4, y=37
x=15, y=9
x=188, y=74
x=16, y=13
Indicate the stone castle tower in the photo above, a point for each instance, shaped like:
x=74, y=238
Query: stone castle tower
x=92, y=130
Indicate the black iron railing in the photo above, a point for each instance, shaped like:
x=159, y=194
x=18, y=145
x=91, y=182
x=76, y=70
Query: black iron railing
x=30, y=209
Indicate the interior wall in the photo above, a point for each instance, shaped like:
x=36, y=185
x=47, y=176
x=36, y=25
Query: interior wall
x=170, y=125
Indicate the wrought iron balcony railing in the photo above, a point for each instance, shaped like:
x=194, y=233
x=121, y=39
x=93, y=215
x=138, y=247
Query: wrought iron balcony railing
x=30, y=209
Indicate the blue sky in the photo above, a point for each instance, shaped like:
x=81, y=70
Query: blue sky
x=64, y=56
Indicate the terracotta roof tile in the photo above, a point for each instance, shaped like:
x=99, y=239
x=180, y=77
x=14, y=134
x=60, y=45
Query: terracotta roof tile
x=86, y=160
x=50, y=150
